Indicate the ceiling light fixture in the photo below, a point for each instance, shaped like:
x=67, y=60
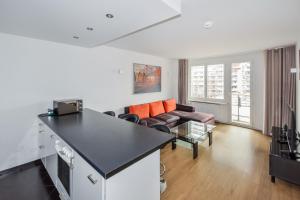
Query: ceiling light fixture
x=89, y=28
x=208, y=24
x=108, y=15
x=75, y=37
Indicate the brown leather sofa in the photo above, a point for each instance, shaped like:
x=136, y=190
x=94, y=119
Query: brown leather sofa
x=183, y=113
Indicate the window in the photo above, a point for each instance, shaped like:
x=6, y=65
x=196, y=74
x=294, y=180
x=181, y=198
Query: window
x=215, y=82
x=241, y=93
x=198, y=81
x=207, y=82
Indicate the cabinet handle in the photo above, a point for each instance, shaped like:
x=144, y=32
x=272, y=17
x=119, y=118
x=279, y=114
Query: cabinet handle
x=94, y=181
x=41, y=146
x=52, y=136
x=41, y=131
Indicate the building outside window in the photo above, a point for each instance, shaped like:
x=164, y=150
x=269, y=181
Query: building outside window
x=207, y=82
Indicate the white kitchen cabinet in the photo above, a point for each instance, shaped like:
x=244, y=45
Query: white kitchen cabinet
x=51, y=167
x=44, y=161
x=139, y=181
x=50, y=138
x=51, y=155
x=47, y=151
x=46, y=139
x=42, y=142
x=87, y=182
x=129, y=184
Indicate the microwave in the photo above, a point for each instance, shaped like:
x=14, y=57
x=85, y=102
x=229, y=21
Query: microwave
x=67, y=106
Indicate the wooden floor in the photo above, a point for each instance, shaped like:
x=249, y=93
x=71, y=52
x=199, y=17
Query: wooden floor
x=234, y=167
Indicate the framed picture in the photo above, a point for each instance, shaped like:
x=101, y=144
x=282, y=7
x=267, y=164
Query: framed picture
x=147, y=78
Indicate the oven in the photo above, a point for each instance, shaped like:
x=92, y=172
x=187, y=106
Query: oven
x=64, y=170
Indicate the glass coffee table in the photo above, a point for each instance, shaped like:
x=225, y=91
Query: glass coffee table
x=193, y=132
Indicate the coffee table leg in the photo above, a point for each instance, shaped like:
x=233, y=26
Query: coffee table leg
x=210, y=138
x=173, y=144
x=195, y=150
x=273, y=179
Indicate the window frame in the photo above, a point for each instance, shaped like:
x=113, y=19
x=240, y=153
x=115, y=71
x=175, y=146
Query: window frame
x=205, y=99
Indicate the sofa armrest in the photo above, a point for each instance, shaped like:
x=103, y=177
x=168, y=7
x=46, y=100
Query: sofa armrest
x=185, y=108
x=143, y=123
x=122, y=115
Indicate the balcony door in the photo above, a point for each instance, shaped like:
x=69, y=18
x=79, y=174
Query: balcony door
x=241, y=93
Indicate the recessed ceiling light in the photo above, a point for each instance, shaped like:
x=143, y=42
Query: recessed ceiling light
x=75, y=37
x=108, y=15
x=208, y=24
x=89, y=28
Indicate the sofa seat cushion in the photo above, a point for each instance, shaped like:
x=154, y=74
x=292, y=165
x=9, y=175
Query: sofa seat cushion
x=181, y=114
x=195, y=116
x=209, y=117
x=152, y=121
x=168, y=118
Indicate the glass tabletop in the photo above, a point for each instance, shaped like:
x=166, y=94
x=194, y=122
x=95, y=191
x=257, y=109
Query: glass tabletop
x=192, y=131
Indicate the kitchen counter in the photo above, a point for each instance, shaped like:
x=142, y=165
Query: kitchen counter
x=107, y=143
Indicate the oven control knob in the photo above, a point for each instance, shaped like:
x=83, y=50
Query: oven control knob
x=66, y=152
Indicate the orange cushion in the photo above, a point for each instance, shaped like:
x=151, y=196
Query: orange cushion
x=156, y=108
x=170, y=105
x=141, y=110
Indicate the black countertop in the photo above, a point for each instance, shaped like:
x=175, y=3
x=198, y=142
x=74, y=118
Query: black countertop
x=108, y=144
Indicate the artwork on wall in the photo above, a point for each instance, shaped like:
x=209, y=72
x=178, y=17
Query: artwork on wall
x=147, y=78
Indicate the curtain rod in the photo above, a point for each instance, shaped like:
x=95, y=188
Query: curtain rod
x=283, y=46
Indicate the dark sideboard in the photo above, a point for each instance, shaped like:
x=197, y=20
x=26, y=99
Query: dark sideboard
x=283, y=164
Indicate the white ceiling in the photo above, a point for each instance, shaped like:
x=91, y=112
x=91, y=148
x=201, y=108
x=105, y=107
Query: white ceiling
x=239, y=26
x=60, y=20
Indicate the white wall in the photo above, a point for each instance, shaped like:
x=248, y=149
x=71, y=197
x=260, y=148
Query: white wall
x=34, y=72
x=221, y=111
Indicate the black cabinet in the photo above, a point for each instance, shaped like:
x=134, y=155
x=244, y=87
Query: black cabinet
x=282, y=164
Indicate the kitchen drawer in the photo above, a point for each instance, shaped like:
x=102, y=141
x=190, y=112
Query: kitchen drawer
x=46, y=139
x=42, y=141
